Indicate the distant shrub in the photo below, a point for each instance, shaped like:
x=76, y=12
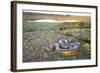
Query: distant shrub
x=84, y=25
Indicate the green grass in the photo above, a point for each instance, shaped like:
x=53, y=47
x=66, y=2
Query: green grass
x=31, y=26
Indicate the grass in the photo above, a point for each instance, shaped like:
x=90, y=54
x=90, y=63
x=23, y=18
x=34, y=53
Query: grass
x=37, y=36
x=31, y=26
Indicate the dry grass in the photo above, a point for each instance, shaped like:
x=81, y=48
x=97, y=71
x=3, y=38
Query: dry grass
x=38, y=36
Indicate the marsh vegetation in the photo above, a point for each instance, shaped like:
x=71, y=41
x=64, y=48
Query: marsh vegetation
x=38, y=35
